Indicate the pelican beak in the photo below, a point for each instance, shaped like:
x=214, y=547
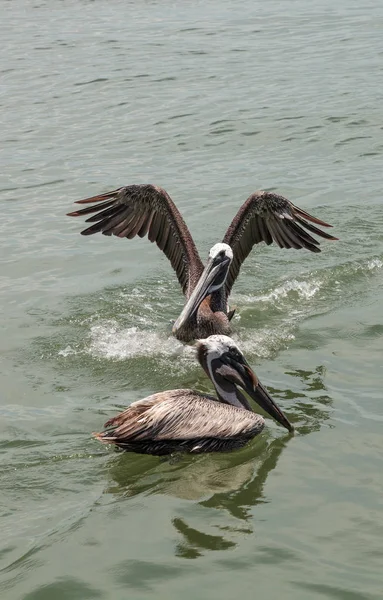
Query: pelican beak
x=265, y=401
x=212, y=279
x=248, y=380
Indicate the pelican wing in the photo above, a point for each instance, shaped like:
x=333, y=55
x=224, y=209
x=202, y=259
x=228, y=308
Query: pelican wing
x=146, y=210
x=267, y=217
x=179, y=415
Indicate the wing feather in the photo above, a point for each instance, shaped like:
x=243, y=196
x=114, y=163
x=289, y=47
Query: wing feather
x=290, y=237
x=145, y=226
x=146, y=210
x=178, y=415
x=267, y=217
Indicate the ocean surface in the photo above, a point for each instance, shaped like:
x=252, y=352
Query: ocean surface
x=211, y=101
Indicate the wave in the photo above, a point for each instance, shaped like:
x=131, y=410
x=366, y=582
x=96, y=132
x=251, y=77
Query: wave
x=303, y=289
x=324, y=283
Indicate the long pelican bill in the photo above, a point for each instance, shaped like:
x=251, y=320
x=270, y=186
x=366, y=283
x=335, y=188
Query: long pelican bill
x=250, y=383
x=265, y=401
x=212, y=278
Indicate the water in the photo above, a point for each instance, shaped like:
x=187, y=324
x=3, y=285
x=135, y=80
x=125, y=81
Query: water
x=211, y=101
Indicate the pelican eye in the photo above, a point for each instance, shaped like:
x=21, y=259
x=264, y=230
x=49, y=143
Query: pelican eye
x=220, y=256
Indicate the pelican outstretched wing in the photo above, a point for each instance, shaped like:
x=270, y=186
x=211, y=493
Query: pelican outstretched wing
x=267, y=217
x=146, y=210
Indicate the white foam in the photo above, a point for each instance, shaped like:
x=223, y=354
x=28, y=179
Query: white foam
x=304, y=289
x=266, y=342
x=109, y=340
x=68, y=351
x=375, y=263
x=293, y=298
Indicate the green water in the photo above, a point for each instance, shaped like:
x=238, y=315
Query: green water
x=211, y=101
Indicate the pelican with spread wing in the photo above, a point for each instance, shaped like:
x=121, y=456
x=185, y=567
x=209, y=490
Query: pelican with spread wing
x=188, y=421
x=148, y=210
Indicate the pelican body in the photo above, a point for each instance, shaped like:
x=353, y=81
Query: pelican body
x=148, y=210
x=187, y=421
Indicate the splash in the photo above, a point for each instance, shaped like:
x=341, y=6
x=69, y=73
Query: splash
x=303, y=289
x=68, y=351
x=110, y=340
x=375, y=263
x=139, y=333
x=266, y=342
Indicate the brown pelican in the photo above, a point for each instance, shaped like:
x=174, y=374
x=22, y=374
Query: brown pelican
x=148, y=210
x=187, y=421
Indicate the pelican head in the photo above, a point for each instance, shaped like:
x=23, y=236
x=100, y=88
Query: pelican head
x=228, y=369
x=211, y=280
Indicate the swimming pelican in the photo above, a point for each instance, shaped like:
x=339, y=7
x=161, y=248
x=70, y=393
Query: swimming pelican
x=148, y=210
x=188, y=421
